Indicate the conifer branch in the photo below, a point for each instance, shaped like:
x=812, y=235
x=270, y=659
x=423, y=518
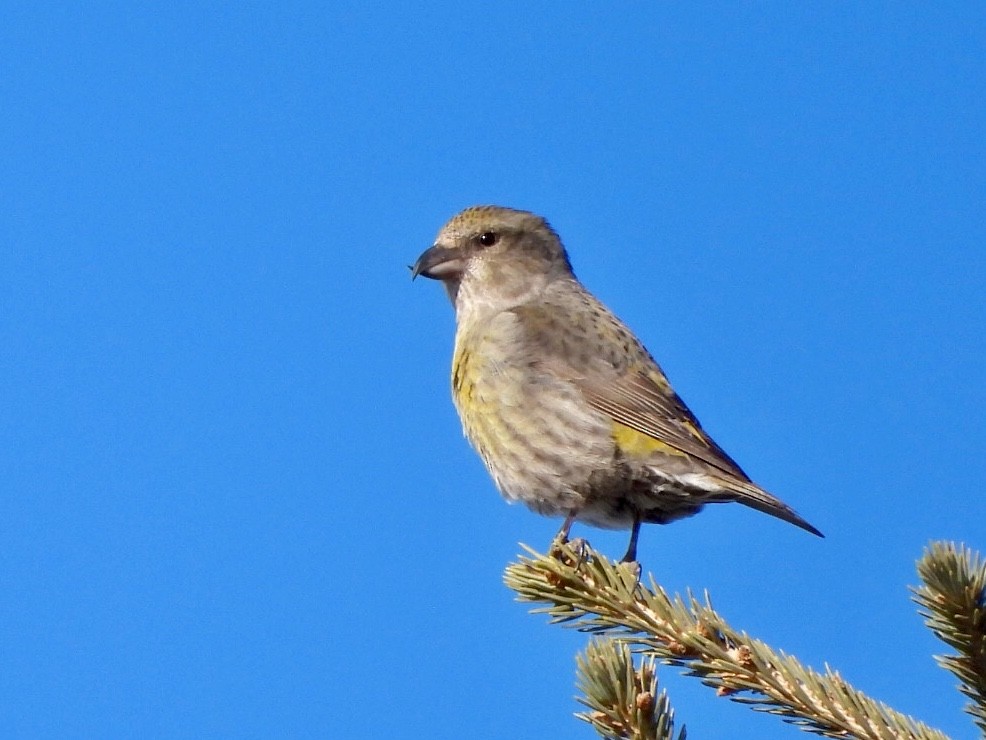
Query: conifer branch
x=584, y=590
x=952, y=601
x=624, y=702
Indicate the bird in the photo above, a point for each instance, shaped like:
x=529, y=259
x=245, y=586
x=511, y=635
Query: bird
x=569, y=412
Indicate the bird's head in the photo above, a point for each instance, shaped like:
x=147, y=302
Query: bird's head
x=493, y=257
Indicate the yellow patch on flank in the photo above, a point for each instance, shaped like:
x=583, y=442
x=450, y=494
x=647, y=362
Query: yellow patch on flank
x=460, y=366
x=467, y=397
x=632, y=443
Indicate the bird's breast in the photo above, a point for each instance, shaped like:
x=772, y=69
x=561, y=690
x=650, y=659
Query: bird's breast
x=534, y=431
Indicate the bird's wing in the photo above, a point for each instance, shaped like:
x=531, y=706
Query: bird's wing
x=617, y=377
x=642, y=399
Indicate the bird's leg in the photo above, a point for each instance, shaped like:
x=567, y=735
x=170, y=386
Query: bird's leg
x=631, y=555
x=566, y=527
x=562, y=537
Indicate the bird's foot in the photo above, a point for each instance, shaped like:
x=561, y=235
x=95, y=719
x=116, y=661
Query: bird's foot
x=579, y=546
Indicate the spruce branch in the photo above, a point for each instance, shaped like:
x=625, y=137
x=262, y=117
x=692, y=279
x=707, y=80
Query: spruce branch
x=952, y=601
x=624, y=702
x=583, y=590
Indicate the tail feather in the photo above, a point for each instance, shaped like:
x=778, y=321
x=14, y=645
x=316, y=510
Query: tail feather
x=756, y=498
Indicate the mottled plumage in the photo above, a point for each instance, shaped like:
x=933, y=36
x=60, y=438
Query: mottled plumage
x=566, y=407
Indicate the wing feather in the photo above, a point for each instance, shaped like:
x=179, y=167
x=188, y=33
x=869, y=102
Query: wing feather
x=638, y=401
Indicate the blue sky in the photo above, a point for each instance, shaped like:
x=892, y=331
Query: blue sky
x=235, y=496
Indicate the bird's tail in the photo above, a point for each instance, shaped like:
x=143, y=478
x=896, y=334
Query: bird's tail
x=755, y=497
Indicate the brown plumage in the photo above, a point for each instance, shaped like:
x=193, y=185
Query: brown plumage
x=566, y=407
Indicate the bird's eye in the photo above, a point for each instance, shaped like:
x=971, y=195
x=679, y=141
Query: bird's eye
x=488, y=238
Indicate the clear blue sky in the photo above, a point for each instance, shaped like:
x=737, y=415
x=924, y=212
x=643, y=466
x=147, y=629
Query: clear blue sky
x=235, y=497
